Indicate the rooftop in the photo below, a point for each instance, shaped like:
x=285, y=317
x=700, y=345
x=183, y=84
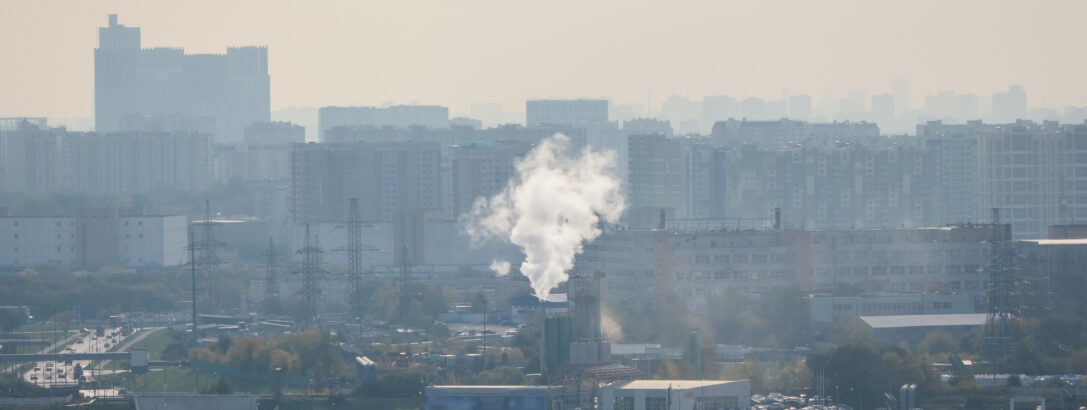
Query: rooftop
x=672, y=384
x=1076, y=241
x=896, y=321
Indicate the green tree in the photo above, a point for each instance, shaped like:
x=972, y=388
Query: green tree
x=938, y=343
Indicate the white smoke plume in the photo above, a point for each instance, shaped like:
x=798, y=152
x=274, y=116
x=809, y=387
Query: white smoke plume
x=502, y=268
x=551, y=208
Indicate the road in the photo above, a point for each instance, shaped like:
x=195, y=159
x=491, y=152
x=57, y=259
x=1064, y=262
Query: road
x=48, y=373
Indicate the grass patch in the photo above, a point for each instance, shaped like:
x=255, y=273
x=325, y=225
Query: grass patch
x=175, y=379
x=323, y=402
x=154, y=343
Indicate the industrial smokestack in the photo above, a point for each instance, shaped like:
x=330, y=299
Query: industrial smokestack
x=777, y=219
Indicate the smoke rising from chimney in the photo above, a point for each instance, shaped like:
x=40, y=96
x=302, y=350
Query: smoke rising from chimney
x=551, y=208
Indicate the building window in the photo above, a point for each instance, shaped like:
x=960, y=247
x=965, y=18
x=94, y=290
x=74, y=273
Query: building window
x=656, y=403
x=716, y=403
x=621, y=403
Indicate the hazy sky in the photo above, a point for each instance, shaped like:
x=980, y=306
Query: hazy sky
x=458, y=52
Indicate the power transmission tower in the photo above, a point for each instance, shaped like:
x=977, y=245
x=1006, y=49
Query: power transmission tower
x=271, y=282
x=354, y=249
x=405, y=286
x=312, y=274
x=997, y=342
x=208, y=252
x=192, y=271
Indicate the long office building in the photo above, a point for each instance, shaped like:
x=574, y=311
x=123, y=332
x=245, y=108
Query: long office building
x=645, y=268
x=218, y=93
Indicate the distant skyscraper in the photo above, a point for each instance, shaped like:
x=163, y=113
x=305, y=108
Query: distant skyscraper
x=901, y=91
x=800, y=107
x=718, y=108
x=229, y=90
x=566, y=112
x=883, y=107
x=1011, y=105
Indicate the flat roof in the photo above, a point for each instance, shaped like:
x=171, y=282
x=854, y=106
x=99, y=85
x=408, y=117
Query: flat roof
x=1075, y=241
x=494, y=389
x=895, y=321
x=673, y=384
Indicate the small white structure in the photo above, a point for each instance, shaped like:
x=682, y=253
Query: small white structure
x=1037, y=402
x=677, y=395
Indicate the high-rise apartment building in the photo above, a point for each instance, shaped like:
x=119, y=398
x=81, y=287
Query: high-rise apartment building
x=222, y=93
x=1032, y=173
x=34, y=160
x=388, y=178
x=481, y=170
x=658, y=173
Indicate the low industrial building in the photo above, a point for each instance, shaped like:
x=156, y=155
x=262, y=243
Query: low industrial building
x=913, y=328
x=825, y=312
x=676, y=395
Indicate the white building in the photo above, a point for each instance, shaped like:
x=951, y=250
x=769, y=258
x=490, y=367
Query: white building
x=676, y=395
x=93, y=239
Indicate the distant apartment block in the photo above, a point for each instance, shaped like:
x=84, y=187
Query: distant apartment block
x=94, y=238
x=481, y=170
x=780, y=133
x=277, y=133
x=34, y=160
x=566, y=112
x=388, y=178
x=14, y=123
x=1035, y=174
x=398, y=116
x=219, y=93
x=658, y=173
x=953, y=159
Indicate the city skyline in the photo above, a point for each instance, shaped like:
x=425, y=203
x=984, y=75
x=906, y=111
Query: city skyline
x=487, y=57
